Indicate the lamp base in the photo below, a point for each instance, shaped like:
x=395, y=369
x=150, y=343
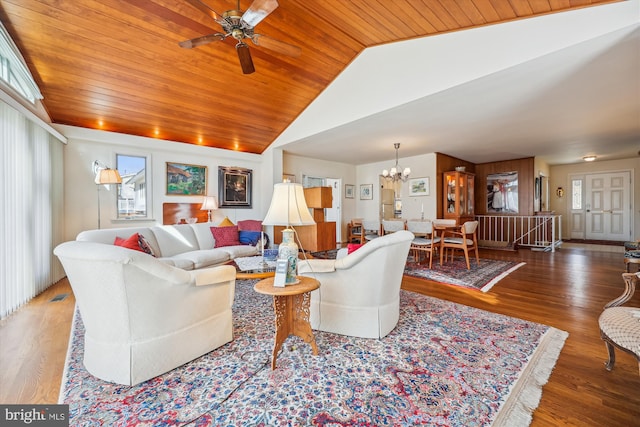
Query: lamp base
x=289, y=250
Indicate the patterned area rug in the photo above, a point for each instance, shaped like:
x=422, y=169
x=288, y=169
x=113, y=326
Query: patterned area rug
x=481, y=277
x=444, y=364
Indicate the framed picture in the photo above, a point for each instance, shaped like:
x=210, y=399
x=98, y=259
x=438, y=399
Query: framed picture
x=419, y=187
x=502, y=192
x=186, y=180
x=234, y=187
x=349, y=190
x=366, y=191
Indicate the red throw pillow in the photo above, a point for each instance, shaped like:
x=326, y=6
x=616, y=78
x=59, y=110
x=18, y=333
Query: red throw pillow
x=353, y=246
x=225, y=236
x=250, y=225
x=130, y=242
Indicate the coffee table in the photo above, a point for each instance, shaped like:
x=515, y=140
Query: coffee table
x=291, y=307
x=257, y=272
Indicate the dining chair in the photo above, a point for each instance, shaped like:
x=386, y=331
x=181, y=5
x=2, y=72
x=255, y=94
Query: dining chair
x=466, y=239
x=424, y=240
x=370, y=229
x=392, y=225
x=440, y=225
x=355, y=231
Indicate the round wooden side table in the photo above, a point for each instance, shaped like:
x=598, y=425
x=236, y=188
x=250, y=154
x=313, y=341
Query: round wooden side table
x=291, y=307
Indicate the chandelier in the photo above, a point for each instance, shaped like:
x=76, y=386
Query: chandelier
x=396, y=173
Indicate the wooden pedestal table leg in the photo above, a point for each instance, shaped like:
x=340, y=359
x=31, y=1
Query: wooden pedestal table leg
x=291, y=309
x=292, y=318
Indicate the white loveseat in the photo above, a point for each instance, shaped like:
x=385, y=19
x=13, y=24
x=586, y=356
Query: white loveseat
x=359, y=293
x=186, y=246
x=143, y=317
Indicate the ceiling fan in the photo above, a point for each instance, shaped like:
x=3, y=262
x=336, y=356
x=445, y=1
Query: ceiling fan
x=240, y=25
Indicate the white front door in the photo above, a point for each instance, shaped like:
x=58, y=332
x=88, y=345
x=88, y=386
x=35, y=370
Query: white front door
x=608, y=206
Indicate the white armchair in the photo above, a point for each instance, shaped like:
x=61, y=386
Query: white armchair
x=143, y=317
x=359, y=294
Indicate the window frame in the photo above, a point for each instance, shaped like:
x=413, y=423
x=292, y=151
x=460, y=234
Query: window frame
x=147, y=192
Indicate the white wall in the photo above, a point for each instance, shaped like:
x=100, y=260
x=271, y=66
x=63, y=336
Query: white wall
x=560, y=178
x=421, y=166
x=298, y=166
x=86, y=145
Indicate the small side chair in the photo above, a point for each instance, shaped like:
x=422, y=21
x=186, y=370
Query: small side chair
x=466, y=239
x=424, y=240
x=620, y=326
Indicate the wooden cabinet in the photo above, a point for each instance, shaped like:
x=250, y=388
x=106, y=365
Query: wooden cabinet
x=314, y=238
x=322, y=235
x=458, y=196
x=317, y=199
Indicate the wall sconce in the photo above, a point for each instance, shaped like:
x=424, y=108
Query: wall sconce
x=560, y=192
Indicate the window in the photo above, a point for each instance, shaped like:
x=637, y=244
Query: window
x=576, y=194
x=132, y=193
x=13, y=70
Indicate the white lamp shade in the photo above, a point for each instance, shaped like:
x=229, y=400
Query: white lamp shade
x=288, y=206
x=108, y=176
x=209, y=203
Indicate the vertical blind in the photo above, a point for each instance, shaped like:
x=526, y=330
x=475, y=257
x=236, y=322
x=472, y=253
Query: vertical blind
x=31, y=206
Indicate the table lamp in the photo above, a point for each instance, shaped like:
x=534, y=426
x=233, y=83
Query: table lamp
x=208, y=204
x=288, y=207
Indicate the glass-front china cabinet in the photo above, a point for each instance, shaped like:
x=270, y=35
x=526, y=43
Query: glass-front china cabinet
x=458, y=196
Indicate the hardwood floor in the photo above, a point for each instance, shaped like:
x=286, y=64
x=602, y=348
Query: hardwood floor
x=566, y=289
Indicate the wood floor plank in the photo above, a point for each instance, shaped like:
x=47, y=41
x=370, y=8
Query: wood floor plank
x=566, y=289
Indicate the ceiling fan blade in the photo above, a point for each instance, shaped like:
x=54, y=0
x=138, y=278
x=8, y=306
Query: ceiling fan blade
x=276, y=45
x=199, y=41
x=259, y=10
x=207, y=10
x=245, y=58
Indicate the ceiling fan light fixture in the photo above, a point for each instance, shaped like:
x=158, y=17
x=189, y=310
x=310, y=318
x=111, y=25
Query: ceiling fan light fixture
x=245, y=58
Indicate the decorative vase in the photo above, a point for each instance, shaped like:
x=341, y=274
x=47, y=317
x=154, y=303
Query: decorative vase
x=289, y=250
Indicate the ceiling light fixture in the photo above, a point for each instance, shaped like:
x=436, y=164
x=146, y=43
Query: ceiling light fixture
x=396, y=173
x=589, y=158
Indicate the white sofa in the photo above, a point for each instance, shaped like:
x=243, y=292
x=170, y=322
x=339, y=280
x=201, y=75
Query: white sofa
x=359, y=293
x=143, y=317
x=186, y=246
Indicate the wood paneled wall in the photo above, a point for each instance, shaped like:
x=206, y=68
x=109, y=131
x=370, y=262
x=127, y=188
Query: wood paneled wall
x=524, y=167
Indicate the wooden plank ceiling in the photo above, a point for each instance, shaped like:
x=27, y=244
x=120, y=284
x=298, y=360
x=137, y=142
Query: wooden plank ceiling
x=116, y=64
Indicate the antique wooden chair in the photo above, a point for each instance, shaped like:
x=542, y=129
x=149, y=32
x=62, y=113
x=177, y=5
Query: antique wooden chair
x=620, y=326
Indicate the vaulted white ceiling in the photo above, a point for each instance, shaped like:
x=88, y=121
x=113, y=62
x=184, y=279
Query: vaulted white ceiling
x=557, y=87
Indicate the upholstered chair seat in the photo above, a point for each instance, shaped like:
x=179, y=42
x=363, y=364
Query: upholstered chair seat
x=620, y=326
